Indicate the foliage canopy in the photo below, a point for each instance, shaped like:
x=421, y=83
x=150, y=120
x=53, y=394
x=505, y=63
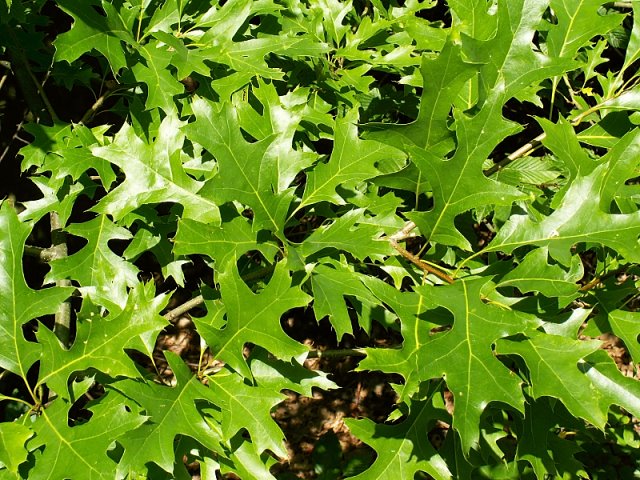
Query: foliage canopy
x=464, y=175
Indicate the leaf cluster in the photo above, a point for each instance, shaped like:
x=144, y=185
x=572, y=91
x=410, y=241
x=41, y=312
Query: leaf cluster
x=463, y=177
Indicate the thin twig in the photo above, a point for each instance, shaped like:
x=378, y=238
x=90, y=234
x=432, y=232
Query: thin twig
x=521, y=152
x=622, y=4
x=42, y=93
x=45, y=255
x=15, y=136
x=345, y=352
x=96, y=105
x=171, y=315
x=425, y=267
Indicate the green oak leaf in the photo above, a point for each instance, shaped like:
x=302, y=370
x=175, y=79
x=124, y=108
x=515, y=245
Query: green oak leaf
x=583, y=214
x=80, y=451
x=46, y=139
x=244, y=460
x=415, y=326
x=462, y=355
x=277, y=374
x=352, y=160
x=443, y=77
x=62, y=150
x=186, y=60
x=472, y=18
x=509, y=66
x=561, y=139
x=633, y=48
x=253, y=318
x=163, y=16
x=541, y=446
x=534, y=274
x=626, y=325
x=612, y=386
x=230, y=240
x=13, y=437
x=153, y=235
x=553, y=371
x=248, y=407
x=577, y=22
x=91, y=30
x=102, y=275
x=349, y=234
x=170, y=411
x=281, y=116
x=18, y=302
x=403, y=449
x=330, y=284
x=154, y=174
x=243, y=175
x=154, y=73
x=101, y=342
x=608, y=131
x=576, y=372
x=249, y=56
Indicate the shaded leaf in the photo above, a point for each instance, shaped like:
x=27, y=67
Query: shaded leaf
x=403, y=449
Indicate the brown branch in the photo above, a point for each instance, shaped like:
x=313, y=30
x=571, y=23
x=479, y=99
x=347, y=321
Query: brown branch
x=425, y=267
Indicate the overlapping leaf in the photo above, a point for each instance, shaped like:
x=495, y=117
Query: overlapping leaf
x=154, y=174
x=559, y=367
x=509, y=66
x=243, y=174
x=350, y=234
x=222, y=243
x=171, y=411
x=80, y=451
x=102, y=275
x=100, y=342
x=92, y=30
x=463, y=356
x=352, y=160
x=403, y=449
x=249, y=407
x=584, y=215
x=331, y=283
